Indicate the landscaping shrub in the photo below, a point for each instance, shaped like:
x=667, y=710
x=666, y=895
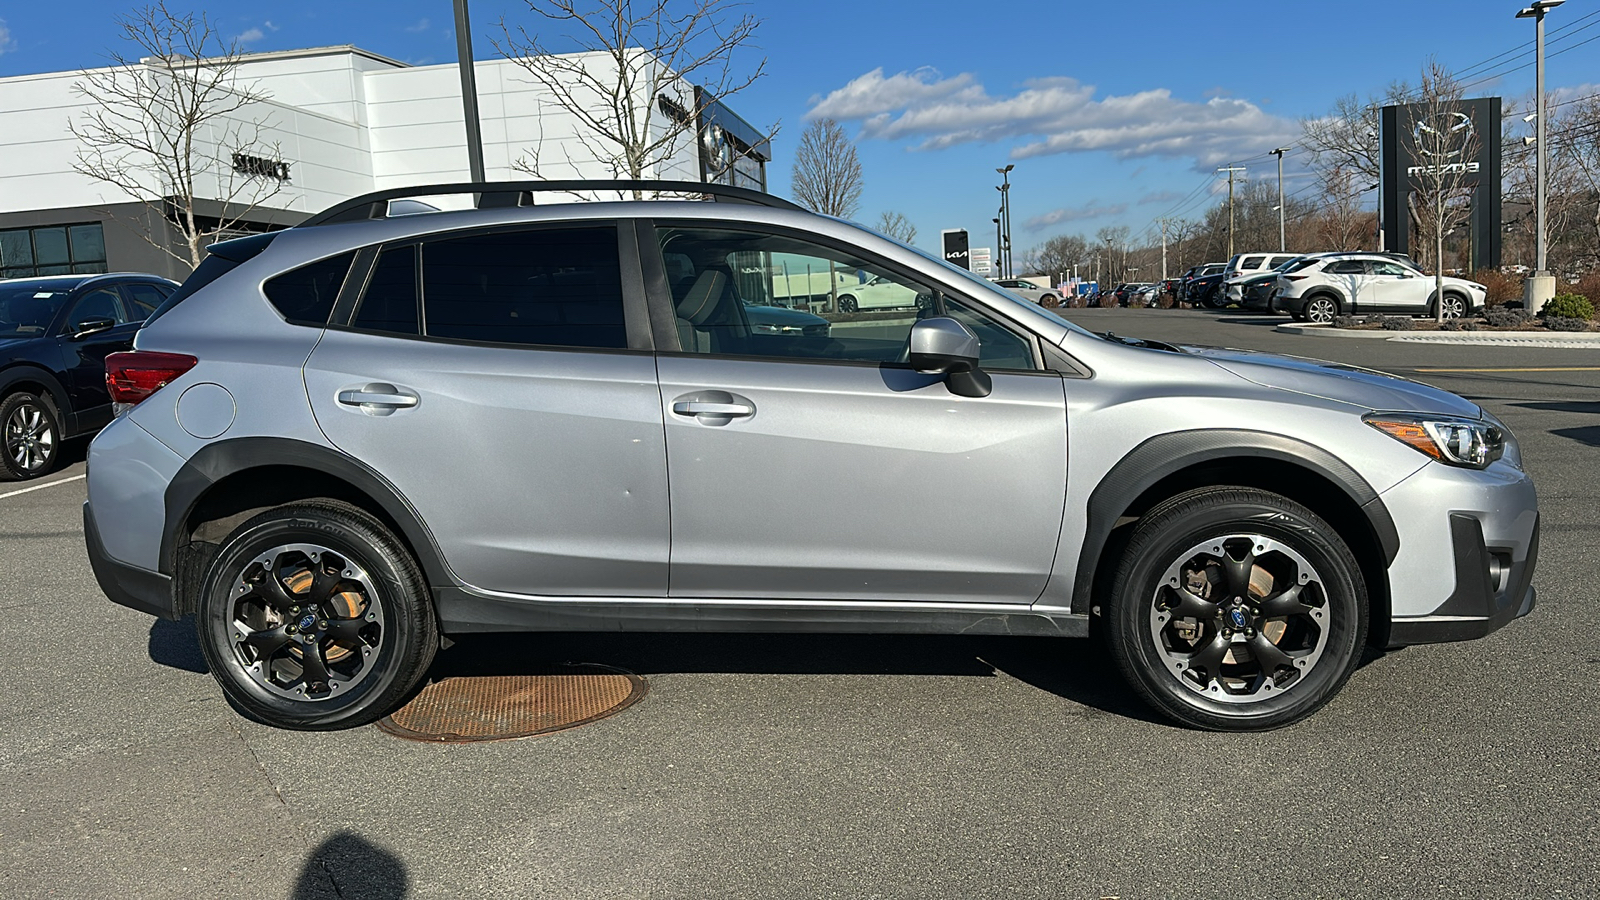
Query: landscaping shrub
x=1501, y=287
x=1455, y=325
x=1398, y=323
x=1506, y=316
x=1567, y=306
x=1587, y=286
x=1345, y=322
x=1374, y=319
x=1566, y=323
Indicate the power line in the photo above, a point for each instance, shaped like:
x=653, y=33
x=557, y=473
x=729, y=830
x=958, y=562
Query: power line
x=1493, y=75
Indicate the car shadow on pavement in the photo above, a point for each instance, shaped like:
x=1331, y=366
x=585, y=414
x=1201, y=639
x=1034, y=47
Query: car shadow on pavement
x=1584, y=407
x=1588, y=434
x=176, y=645
x=1073, y=669
x=347, y=865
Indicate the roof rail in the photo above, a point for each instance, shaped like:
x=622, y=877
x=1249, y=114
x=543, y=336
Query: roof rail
x=497, y=194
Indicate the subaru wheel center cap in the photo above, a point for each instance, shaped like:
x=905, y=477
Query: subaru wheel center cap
x=1238, y=618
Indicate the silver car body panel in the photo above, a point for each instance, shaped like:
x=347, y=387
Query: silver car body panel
x=130, y=473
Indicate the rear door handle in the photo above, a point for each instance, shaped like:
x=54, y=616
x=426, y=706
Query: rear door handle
x=377, y=399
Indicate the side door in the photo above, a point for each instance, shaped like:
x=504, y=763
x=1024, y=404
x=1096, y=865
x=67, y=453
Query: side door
x=1350, y=277
x=822, y=467
x=1398, y=289
x=503, y=382
x=86, y=356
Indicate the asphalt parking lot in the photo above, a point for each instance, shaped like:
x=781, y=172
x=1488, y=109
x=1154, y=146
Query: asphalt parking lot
x=837, y=766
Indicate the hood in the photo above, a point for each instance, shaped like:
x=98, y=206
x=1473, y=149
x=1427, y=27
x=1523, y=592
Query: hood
x=1365, y=388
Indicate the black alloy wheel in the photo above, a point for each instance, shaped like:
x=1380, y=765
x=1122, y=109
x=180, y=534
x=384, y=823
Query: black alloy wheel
x=314, y=617
x=30, y=436
x=847, y=304
x=1236, y=610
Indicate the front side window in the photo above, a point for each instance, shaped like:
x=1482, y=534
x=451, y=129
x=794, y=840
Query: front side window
x=1389, y=268
x=748, y=293
x=554, y=287
x=1251, y=262
x=100, y=303
x=145, y=297
x=1277, y=261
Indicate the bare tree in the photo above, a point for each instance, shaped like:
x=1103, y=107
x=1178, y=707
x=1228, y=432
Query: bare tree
x=897, y=226
x=1340, y=221
x=1446, y=141
x=1058, y=255
x=635, y=105
x=171, y=118
x=827, y=171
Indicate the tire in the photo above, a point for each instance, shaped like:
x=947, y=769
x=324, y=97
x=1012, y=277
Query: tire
x=1191, y=668
x=1455, y=306
x=848, y=304
x=374, y=644
x=1050, y=301
x=1320, y=309
x=30, y=436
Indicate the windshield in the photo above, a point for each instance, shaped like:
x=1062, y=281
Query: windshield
x=26, y=310
x=990, y=289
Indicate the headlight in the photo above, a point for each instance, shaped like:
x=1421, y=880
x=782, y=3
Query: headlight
x=1471, y=443
x=766, y=329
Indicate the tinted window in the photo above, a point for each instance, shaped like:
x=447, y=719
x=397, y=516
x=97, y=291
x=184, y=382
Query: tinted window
x=305, y=296
x=1298, y=264
x=390, y=300
x=1347, y=267
x=555, y=287
x=1251, y=262
x=145, y=299
x=1389, y=268
x=1277, y=261
x=100, y=303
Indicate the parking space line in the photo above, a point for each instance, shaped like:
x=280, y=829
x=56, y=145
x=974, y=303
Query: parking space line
x=1544, y=369
x=40, y=487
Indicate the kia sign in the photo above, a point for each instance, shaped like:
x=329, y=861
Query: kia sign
x=955, y=247
x=1462, y=139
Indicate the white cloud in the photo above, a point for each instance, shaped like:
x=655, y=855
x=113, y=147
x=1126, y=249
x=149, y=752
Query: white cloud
x=251, y=36
x=7, y=42
x=1088, y=211
x=422, y=25
x=1050, y=116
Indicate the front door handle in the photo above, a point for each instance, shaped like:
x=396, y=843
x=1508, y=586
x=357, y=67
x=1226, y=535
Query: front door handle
x=713, y=407
x=378, y=399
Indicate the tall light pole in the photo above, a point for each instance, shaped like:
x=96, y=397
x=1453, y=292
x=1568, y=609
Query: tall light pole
x=997, y=248
x=1280, y=152
x=1541, y=286
x=1005, y=214
x=469, y=93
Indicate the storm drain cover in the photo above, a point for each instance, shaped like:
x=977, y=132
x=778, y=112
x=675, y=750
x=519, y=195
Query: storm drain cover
x=501, y=707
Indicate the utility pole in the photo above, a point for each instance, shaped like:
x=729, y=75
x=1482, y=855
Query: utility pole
x=1280, y=152
x=469, y=93
x=1005, y=214
x=1541, y=286
x=1230, y=170
x=1164, y=224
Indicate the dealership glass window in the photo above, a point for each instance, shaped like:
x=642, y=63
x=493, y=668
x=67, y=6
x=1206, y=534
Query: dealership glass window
x=52, y=250
x=553, y=287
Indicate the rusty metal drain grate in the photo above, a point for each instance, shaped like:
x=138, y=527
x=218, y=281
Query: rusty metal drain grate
x=498, y=708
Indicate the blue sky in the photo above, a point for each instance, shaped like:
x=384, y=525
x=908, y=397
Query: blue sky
x=1111, y=112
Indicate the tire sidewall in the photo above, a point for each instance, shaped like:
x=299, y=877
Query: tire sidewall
x=1343, y=635
x=390, y=579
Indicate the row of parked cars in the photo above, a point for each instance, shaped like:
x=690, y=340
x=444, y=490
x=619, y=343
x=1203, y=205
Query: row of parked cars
x=55, y=334
x=1316, y=287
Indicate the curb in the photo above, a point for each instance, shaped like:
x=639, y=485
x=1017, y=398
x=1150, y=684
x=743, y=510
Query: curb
x=1495, y=338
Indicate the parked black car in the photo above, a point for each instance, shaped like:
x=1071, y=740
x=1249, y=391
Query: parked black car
x=55, y=333
x=1207, y=289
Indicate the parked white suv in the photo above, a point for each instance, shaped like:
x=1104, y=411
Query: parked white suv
x=1244, y=265
x=1316, y=289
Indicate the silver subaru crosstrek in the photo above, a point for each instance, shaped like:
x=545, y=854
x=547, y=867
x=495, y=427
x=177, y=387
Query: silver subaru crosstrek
x=340, y=443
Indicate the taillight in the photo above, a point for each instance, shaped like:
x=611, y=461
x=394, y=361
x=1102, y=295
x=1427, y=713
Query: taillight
x=133, y=376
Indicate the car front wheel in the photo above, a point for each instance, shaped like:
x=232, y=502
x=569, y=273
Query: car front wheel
x=1049, y=301
x=1454, y=307
x=1236, y=610
x=30, y=436
x=314, y=617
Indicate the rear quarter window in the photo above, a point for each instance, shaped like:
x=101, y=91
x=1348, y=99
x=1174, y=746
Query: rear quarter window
x=305, y=295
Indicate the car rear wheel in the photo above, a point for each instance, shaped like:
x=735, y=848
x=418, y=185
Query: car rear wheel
x=848, y=304
x=1236, y=610
x=314, y=617
x=30, y=436
x=1321, y=309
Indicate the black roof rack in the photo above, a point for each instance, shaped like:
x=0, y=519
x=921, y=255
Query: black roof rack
x=498, y=194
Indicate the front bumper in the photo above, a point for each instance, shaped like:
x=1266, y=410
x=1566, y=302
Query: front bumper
x=130, y=586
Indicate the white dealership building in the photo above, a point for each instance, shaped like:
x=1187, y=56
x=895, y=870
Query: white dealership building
x=339, y=122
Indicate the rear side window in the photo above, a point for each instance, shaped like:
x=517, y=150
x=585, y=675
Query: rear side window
x=305, y=295
x=1251, y=262
x=390, y=301
x=1347, y=267
x=1277, y=261
x=555, y=287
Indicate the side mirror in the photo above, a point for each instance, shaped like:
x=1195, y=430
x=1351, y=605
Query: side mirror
x=91, y=326
x=943, y=346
